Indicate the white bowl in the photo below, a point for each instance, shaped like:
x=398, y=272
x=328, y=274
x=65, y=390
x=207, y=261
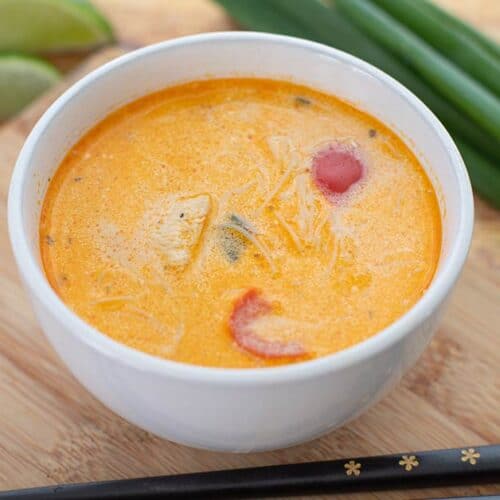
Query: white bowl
x=230, y=409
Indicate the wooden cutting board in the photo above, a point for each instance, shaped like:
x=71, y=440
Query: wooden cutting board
x=52, y=430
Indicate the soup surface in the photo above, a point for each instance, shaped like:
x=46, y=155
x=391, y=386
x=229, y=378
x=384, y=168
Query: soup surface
x=240, y=223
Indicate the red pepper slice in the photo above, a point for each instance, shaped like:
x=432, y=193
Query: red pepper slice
x=248, y=308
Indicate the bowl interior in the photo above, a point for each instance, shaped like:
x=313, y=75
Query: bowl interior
x=241, y=54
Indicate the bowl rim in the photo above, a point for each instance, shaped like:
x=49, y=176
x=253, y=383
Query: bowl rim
x=437, y=292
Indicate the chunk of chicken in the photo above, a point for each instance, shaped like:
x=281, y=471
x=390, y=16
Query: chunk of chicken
x=180, y=227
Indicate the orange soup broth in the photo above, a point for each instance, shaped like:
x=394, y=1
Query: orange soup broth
x=335, y=271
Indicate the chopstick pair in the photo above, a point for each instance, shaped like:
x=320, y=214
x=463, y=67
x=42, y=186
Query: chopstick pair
x=458, y=466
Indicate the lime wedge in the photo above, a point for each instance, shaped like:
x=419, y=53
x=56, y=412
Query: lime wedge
x=22, y=79
x=51, y=25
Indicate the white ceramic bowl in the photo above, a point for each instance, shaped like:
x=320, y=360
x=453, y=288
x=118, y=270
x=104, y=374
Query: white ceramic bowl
x=229, y=409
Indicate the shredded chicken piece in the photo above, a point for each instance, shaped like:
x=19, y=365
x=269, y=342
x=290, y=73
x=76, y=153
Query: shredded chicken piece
x=279, y=185
x=305, y=201
x=284, y=152
x=319, y=227
x=337, y=243
x=289, y=229
x=180, y=228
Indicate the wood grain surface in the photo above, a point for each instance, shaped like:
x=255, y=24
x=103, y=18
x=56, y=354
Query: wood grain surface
x=52, y=430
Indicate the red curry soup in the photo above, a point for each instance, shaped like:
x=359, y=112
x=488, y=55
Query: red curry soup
x=240, y=223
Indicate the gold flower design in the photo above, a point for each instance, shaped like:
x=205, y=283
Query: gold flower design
x=408, y=462
x=352, y=468
x=470, y=455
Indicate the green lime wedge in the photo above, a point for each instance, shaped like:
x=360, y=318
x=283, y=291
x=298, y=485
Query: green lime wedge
x=51, y=26
x=22, y=78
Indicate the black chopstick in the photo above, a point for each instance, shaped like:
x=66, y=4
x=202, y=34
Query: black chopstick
x=476, y=497
x=458, y=466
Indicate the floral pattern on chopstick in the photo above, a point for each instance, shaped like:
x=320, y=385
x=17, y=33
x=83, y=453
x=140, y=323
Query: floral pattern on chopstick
x=352, y=468
x=409, y=462
x=470, y=455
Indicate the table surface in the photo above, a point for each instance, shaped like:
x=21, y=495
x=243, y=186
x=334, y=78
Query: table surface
x=53, y=431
